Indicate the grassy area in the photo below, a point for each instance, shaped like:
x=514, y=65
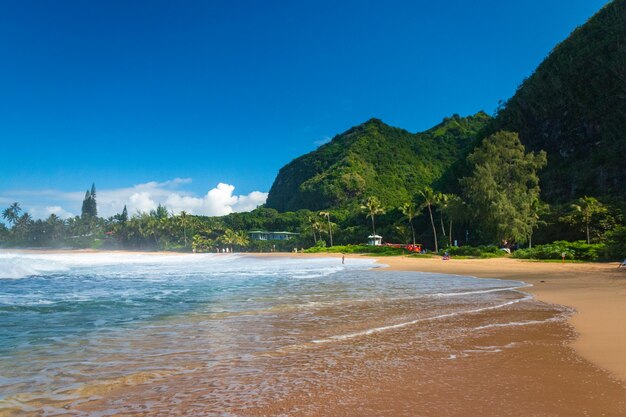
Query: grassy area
x=360, y=249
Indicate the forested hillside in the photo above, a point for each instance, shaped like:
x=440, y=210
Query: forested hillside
x=574, y=107
x=373, y=159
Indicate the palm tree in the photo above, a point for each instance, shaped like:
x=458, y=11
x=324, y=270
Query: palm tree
x=429, y=197
x=330, y=232
x=22, y=225
x=316, y=227
x=55, y=226
x=372, y=208
x=456, y=209
x=12, y=213
x=585, y=210
x=442, y=200
x=409, y=210
x=183, y=218
x=242, y=239
x=229, y=238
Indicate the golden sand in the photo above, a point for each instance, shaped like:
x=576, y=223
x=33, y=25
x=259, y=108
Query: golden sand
x=597, y=291
x=552, y=369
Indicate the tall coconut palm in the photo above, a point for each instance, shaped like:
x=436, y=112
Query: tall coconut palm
x=429, y=198
x=372, y=208
x=12, y=213
x=183, y=220
x=442, y=200
x=330, y=232
x=410, y=211
x=455, y=209
x=316, y=227
x=55, y=226
x=22, y=224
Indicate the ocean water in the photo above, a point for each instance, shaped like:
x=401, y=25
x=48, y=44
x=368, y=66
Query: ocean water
x=74, y=327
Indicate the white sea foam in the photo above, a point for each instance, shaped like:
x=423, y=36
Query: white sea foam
x=15, y=267
x=465, y=293
x=19, y=265
x=412, y=322
x=518, y=323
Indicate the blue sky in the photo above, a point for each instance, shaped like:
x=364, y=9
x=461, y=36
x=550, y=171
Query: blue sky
x=171, y=99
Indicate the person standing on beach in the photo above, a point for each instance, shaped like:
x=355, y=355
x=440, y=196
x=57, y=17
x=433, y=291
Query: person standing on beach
x=343, y=259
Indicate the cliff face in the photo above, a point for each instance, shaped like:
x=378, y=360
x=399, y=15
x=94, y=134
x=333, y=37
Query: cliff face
x=574, y=107
x=373, y=159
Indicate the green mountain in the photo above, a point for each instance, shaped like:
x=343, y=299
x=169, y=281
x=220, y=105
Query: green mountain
x=574, y=107
x=374, y=159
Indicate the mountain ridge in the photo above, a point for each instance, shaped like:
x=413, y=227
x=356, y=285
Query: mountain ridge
x=373, y=158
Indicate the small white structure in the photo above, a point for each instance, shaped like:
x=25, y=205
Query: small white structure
x=374, y=240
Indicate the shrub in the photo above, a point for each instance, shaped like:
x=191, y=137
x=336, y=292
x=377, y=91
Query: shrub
x=616, y=243
x=489, y=251
x=579, y=250
x=367, y=249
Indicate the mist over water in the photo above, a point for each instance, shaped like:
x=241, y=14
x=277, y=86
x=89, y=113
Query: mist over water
x=70, y=323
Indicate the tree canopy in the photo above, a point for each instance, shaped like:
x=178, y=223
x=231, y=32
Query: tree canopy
x=503, y=186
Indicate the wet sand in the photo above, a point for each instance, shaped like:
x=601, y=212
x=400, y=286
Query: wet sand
x=555, y=368
x=597, y=291
x=526, y=371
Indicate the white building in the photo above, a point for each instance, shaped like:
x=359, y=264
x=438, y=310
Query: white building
x=374, y=240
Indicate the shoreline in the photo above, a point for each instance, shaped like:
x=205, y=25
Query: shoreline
x=596, y=292
x=571, y=367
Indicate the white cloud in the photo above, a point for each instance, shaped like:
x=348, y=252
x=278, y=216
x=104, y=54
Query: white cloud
x=218, y=201
x=250, y=202
x=137, y=202
x=58, y=210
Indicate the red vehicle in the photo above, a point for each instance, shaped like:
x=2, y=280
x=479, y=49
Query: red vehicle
x=417, y=248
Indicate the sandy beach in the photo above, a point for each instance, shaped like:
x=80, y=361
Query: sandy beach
x=554, y=368
x=596, y=291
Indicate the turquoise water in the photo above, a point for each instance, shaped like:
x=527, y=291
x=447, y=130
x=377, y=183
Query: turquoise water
x=70, y=321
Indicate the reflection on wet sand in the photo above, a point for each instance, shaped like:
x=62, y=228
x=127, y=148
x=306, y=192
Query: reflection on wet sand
x=341, y=342
x=496, y=361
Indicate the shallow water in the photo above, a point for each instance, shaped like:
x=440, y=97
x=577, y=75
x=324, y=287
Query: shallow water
x=237, y=332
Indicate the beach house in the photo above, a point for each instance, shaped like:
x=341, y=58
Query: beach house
x=265, y=235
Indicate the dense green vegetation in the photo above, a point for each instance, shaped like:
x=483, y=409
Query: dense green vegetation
x=373, y=159
x=503, y=188
x=480, y=251
x=551, y=166
x=362, y=249
x=574, y=108
x=433, y=219
x=579, y=250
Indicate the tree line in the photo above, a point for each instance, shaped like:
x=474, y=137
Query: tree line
x=499, y=204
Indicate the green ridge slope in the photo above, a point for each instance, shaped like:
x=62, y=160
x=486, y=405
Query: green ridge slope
x=373, y=159
x=574, y=107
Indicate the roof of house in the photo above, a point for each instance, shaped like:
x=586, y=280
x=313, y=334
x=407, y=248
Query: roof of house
x=274, y=233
